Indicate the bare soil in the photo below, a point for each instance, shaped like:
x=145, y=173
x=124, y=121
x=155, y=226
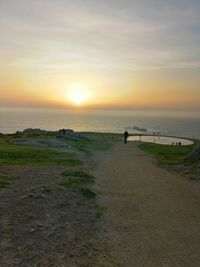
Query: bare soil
x=44, y=224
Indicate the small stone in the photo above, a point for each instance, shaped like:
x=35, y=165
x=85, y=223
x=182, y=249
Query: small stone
x=31, y=195
x=39, y=225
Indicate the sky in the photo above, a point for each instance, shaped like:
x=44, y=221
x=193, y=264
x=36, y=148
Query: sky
x=126, y=54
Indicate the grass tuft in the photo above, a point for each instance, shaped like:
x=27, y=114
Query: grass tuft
x=88, y=193
x=99, y=212
x=79, y=184
x=5, y=180
x=81, y=174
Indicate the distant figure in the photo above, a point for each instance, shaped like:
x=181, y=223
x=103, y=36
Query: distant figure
x=172, y=143
x=179, y=143
x=125, y=137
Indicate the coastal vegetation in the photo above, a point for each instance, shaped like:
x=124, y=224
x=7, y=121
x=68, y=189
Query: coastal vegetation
x=20, y=154
x=178, y=159
x=167, y=154
x=96, y=141
x=19, y=149
x=48, y=196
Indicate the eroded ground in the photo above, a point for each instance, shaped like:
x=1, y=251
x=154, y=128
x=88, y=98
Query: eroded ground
x=49, y=210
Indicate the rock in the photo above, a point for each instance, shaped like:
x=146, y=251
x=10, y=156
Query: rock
x=32, y=195
x=40, y=225
x=70, y=134
x=195, y=154
x=44, y=143
x=19, y=133
x=33, y=131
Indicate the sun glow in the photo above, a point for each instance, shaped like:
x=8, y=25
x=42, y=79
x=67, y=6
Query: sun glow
x=78, y=94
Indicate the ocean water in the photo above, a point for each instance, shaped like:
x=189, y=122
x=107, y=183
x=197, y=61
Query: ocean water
x=184, y=124
x=163, y=140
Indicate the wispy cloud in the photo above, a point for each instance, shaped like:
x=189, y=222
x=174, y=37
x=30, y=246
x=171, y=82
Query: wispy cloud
x=140, y=33
x=112, y=39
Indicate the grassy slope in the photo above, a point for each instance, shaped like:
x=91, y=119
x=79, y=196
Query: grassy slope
x=20, y=154
x=167, y=154
x=56, y=208
x=97, y=141
x=11, y=154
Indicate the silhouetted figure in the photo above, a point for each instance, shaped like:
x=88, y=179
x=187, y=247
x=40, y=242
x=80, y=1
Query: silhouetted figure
x=172, y=143
x=125, y=137
x=62, y=131
x=179, y=143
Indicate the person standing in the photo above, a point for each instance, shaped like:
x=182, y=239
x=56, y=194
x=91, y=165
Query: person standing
x=125, y=136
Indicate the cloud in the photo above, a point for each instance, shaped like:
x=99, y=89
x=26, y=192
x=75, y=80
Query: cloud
x=131, y=35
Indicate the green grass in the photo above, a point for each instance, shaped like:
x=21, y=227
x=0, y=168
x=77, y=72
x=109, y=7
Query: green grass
x=88, y=193
x=72, y=182
x=78, y=185
x=99, y=211
x=102, y=136
x=167, y=154
x=21, y=154
x=81, y=174
x=97, y=141
x=87, y=146
x=78, y=180
x=5, y=180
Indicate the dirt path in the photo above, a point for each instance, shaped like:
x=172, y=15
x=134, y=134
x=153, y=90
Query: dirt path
x=152, y=216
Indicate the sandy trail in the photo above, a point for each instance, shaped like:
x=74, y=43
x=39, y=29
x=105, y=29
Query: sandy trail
x=152, y=216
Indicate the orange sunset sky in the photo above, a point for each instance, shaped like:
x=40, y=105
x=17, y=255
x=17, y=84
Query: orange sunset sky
x=100, y=54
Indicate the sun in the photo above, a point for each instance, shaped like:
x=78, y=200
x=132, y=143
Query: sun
x=78, y=94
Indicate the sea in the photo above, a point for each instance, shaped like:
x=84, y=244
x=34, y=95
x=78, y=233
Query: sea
x=173, y=123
